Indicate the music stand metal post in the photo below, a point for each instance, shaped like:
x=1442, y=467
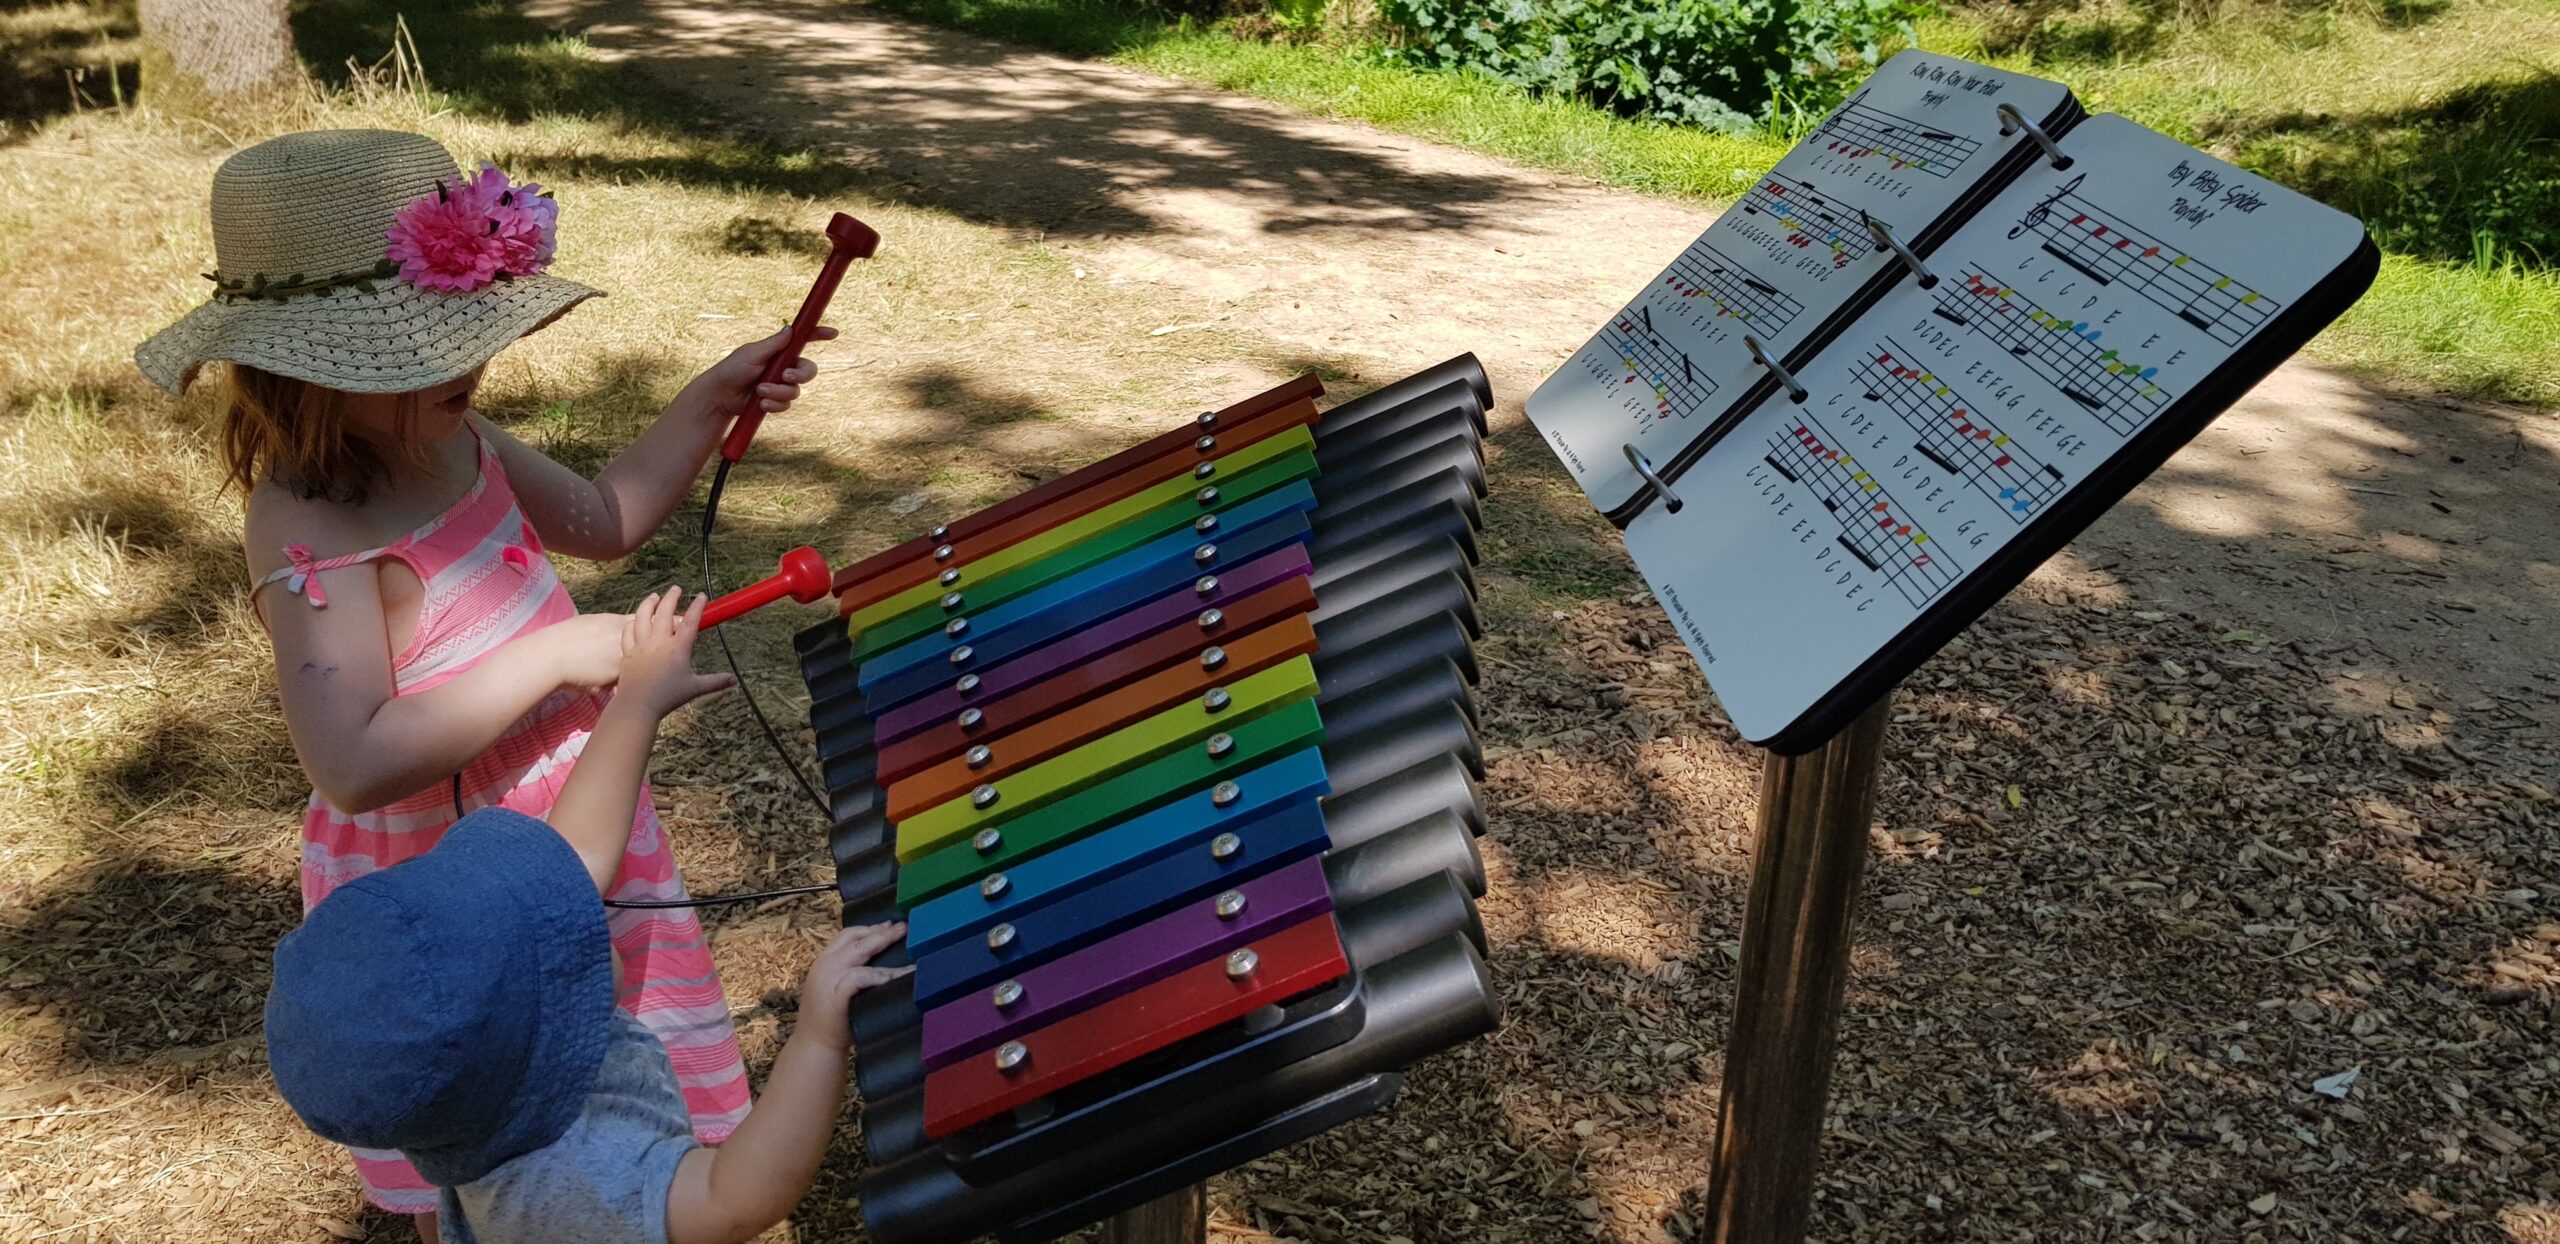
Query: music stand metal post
x=1810, y=845
x=1176, y=1218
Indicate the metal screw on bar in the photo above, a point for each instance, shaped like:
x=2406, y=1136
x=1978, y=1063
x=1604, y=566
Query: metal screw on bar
x=1242, y=963
x=1216, y=700
x=980, y=755
x=1208, y=418
x=1212, y=657
x=1205, y=584
x=961, y=654
x=1222, y=794
x=1011, y=1055
x=993, y=885
x=952, y=600
x=1205, y=444
x=1205, y=524
x=951, y=576
x=1000, y=936
x=1220, y=744
x=970, y=717
x=956, y=627
x=987, y=840
x=1206, y=496
x=939, y=531
x=984, y=797
x=1005, y=994
x=1230, y=905
x=1204, y=470
x=1212, y=619
x=942, y=554
x=1205, y=554
x=967, y=684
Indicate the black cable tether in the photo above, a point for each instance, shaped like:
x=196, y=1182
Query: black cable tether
x=710, y=517
x=718, y=899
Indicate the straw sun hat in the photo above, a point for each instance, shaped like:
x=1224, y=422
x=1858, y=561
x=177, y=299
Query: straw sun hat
x=361, y=260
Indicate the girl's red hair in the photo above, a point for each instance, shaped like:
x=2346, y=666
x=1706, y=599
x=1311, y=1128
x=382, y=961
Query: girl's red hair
x=295, y=433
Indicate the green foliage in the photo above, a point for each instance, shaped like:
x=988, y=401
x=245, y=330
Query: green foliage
x=1725, y=65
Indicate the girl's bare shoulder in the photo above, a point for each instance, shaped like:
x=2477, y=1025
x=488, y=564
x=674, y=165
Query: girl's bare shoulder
x=278, y=516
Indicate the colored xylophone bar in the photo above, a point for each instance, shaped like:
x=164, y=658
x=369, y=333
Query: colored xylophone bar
x=1170, y=766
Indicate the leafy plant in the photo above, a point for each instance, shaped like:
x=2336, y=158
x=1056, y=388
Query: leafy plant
x=1727, y=65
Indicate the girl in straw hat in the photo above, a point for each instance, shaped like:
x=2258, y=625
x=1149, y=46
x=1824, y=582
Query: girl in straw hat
x=429, y=661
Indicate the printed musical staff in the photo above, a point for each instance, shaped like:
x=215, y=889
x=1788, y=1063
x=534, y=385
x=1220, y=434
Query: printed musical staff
x=2107, y=250
x=1670, y=383
x=1874, y=528
x=1808, y=218
x=1953, y=435
x=2118, y=391
x=1709, y=275
x=1859, y=132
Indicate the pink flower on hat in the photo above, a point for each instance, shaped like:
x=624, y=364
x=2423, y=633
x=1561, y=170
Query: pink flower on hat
x=465, y=236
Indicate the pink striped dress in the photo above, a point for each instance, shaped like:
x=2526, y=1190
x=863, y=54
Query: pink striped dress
x=487, y=582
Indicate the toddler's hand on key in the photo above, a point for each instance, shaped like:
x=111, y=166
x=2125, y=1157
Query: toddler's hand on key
x=657, y=654
x=587, y=649
x=844, y=969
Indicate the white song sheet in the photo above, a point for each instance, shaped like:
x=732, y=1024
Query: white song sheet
x=2066, y=318
x=1920, y=134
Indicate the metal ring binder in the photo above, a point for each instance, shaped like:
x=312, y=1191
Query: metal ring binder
x=1883, y=234
x=2011, y=121
x=1795, y=392
x=1644, y=467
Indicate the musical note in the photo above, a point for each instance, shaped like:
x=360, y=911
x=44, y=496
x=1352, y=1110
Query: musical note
x=1731, y=292
x=1807, y=217
x=1664, y=381
x=2066, y=352
x=1952, y=433
x=1858, y=132
x=2101, y=247
x=1875, y=529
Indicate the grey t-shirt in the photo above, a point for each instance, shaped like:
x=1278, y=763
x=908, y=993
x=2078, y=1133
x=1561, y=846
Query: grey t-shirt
x=605, y=1181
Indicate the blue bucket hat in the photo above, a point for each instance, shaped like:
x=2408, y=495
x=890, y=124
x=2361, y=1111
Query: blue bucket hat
x=454, y=1007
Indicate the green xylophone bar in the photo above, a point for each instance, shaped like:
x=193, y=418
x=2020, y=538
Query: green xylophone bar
x=1115, y=800
x=1096, y=716
x=994, y=803
x=1077, y=492
x=1189, y=502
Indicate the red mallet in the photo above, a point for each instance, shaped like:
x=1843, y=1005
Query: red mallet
x=804, y=578
x=848, y=240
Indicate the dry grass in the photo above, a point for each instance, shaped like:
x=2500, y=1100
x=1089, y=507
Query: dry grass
x=2140, y=876
x=148, y=797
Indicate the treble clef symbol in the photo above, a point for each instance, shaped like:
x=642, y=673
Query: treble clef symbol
x=1839, y=112
x=2044, y=207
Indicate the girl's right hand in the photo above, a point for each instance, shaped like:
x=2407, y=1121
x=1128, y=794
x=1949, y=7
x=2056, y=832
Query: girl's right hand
x=587, y=649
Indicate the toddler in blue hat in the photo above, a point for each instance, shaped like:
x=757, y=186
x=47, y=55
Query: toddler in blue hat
x=459, y=1008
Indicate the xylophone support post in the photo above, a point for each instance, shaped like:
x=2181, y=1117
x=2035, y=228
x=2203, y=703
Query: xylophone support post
x=1809, y=848
x=1175, y=1218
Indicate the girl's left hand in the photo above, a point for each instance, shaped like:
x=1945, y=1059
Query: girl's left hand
x=725, y=387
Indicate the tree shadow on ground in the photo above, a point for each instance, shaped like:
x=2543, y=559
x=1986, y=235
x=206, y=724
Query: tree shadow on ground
x=2477, y=166
x=57, y=58
x=1085, y=169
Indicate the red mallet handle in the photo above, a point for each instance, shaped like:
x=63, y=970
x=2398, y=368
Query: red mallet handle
x=804, y=578
x=848, y=240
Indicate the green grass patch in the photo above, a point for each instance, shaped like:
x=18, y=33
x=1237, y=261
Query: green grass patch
x=2437, y=122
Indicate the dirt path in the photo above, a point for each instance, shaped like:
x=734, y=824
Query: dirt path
x=2321, y=507
x=2276, y=737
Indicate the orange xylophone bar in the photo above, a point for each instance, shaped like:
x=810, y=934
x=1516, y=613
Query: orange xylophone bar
x=1076, y=493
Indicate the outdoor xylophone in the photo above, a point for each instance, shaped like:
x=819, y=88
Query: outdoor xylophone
x=1170, y=765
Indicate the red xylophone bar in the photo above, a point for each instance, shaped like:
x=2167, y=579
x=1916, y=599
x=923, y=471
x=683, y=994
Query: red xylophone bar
x=1077, y=493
